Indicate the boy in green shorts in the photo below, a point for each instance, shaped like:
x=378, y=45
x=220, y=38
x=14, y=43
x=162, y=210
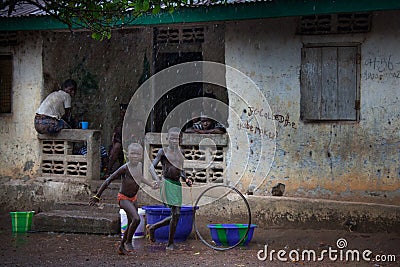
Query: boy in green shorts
x=172, y=160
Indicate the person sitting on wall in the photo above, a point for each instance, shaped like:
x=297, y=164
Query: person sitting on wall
x=206, y=125
x=55, y=109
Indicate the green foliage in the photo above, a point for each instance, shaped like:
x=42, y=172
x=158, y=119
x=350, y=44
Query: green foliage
x=99, y=16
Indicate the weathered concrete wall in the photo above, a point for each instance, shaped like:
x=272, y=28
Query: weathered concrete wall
x=348, y=161
x=213, y=50
x=357, y=161
x=18, y=143
x=40, y=194
x=303, y=213
x=108, y=72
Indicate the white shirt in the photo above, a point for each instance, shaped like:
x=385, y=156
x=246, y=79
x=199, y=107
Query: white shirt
x=54, y=104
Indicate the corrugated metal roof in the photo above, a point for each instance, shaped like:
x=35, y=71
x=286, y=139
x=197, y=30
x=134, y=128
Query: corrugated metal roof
x=23, y=10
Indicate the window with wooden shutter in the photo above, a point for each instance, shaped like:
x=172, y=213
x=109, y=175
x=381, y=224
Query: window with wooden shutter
x=329, y=83
x=5, y=83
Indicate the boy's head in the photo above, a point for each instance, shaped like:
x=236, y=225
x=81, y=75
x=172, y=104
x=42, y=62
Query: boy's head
x=174, y=135
x=69, y=86
x=135, y=152
x=207, y=122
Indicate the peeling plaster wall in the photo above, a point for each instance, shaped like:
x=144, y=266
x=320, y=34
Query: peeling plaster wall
x=18, y=142
x=108, y=72
x=348, y=161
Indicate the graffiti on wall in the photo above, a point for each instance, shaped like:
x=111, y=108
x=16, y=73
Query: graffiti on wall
x=247, y=125
x=379, y=68
x=284, y=120
x=259, y=113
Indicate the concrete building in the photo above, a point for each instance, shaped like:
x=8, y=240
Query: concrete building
x=311, y=92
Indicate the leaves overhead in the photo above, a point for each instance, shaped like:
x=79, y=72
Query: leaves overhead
x=100, y=17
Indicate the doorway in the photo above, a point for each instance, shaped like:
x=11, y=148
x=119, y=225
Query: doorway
x=177, y=95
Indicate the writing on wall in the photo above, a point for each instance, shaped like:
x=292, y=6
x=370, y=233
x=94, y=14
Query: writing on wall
x=284, y=120
x=247, y=125
x=260, y=114
x=381, y=68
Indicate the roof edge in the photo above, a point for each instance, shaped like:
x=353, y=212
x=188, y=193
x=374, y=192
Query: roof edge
x=228, y=12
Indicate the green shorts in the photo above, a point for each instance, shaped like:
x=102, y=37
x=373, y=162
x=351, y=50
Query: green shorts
x=171, y=192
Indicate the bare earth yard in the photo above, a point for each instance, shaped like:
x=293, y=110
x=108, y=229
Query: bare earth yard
x=60, y=249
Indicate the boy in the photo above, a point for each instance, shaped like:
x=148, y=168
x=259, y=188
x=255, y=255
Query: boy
x=170, y=188
x=131, y=175
x=57, y=105
x=206, y=125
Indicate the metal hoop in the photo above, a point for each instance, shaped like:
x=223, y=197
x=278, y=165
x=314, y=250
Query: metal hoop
x=248, y=226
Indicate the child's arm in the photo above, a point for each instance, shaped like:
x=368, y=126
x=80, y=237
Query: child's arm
x=96, y=198
x=188, y=181
x=155, y=162
x=152, y=184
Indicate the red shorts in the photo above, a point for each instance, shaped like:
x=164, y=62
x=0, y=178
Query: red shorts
x=123, y=197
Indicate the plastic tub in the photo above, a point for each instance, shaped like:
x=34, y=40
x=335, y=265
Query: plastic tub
x=21, y=221
x=230, y=234
x=157, y=213
x=139, y=233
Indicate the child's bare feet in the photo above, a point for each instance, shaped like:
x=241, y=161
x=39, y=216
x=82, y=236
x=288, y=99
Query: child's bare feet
x=170, y=247
x=123, y=251
x=150, y=232
x=129, y=246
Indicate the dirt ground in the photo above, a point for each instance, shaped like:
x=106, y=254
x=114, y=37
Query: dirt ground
x=60, y=249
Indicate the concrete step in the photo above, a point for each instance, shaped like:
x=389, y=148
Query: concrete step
x=103, y=206
x=93, y=221
x=78, y=217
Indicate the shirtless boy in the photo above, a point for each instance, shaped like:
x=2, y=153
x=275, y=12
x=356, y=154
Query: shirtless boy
x=131, y=175
x=171, y=159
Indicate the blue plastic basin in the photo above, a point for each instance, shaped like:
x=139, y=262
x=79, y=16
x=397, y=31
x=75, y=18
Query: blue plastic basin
x=157, y=213
x=229, y=234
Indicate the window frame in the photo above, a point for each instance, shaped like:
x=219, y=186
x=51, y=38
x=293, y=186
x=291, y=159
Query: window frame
x=304, y=101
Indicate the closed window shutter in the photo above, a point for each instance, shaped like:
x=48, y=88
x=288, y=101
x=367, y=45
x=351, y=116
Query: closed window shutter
x=328, y=83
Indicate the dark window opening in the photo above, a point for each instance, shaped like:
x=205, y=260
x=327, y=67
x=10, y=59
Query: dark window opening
x=179, y=45
x=177, y=95
x=5, y=83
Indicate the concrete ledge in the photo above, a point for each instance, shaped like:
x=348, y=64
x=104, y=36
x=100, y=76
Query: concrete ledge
x=286, y=212
x=267, y=211
x=66, y=221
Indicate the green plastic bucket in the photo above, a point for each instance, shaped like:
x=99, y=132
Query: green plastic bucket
x=21, y=221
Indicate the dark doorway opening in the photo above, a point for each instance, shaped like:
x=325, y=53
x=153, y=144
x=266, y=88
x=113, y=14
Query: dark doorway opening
x=177, y=95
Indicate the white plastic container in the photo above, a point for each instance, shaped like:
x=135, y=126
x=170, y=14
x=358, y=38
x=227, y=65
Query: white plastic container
x=139, y=233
